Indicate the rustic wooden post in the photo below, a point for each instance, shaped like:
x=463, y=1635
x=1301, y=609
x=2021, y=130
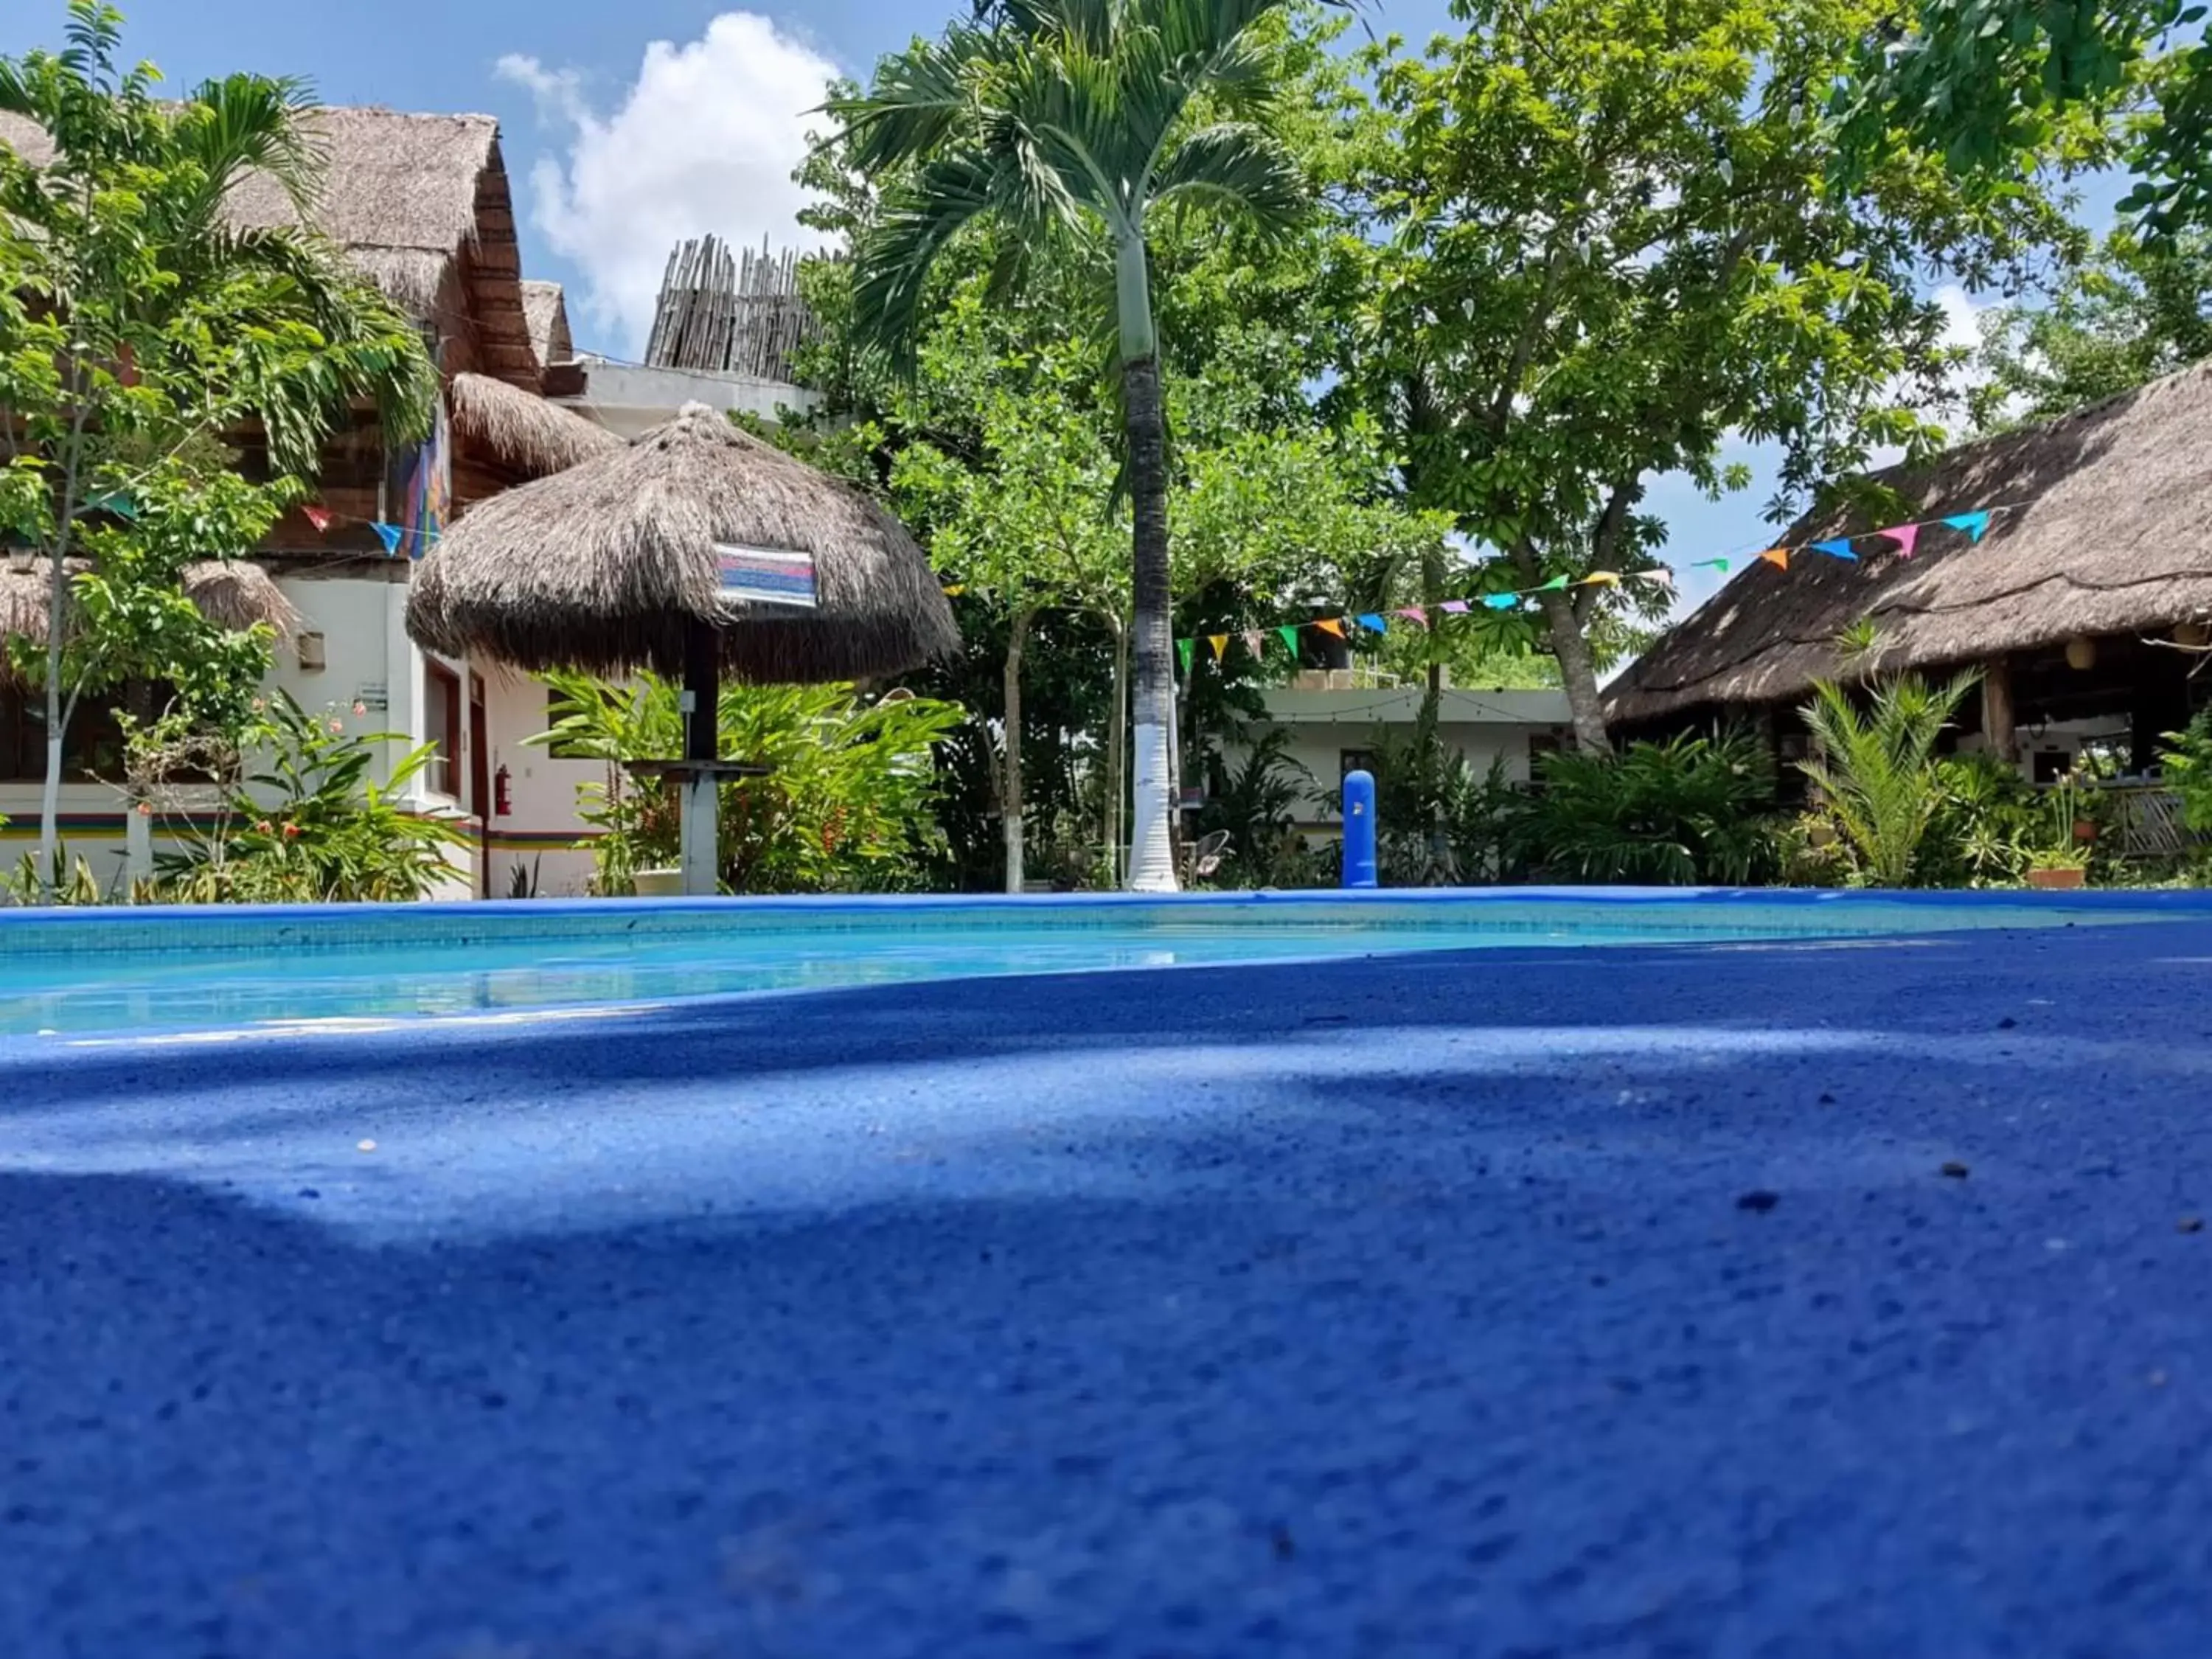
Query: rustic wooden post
x=1999, y=735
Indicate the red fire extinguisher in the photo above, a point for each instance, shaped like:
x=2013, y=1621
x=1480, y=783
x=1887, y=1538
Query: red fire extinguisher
x=502, y=793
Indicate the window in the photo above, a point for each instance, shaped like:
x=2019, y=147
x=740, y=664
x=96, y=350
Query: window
x=441, y=725
x=91, y=748
x=1349, y=761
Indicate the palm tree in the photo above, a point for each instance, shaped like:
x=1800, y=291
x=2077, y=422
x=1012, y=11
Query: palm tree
x=1074, y=123
x=1878, y=768
x=173, y=275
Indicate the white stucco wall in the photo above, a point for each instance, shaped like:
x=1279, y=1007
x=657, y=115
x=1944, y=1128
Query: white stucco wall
x=630, y=400
x=1482, y=725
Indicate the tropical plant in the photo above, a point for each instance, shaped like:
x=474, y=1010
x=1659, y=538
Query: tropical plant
x=1989, y=822
x=1878, y=772
x=137, y=326
x=1080, y=123
x=315, y=825
x=1255, y=804
x=2186, y=764
x=844, y=805
x=1692, y=811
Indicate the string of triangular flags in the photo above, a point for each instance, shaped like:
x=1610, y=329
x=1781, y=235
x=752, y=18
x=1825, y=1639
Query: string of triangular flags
x=391, y=535
x=1973, y=525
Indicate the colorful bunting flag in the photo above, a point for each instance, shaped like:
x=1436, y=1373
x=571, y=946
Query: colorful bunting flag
x=1599, y=579
x=117, y=503
x=1658, y=576
x=1776, y=556
x=1413, y=613
x=1220, y=644
x=1838, y=547
x=1906, y=536
x=1457, y=607
x=1555, y=585
x=1720, y=565
x=1255, y=642
x=389, y=534
x=1973, y=522
x=956, y=589
x=1371, y=622
x=318, y=516
x=1502, y=601
x=1290, y=640
x=1331, y=625
x=1183, y=650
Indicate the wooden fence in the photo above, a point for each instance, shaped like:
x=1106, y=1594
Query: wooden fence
x=729, y=313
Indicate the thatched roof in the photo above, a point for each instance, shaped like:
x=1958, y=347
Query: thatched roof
x=2108, y=530
x=232, y=593
x=236, y=594
x=409, y=198
x=546, y=308
x=605, y=567
x=521, y=430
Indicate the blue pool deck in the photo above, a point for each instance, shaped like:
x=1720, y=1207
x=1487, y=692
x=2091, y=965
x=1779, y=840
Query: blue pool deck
x=1721, y=1296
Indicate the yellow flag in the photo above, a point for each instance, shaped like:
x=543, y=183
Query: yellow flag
x=1776, y=556
x=1220, y=644
x=1597, y=578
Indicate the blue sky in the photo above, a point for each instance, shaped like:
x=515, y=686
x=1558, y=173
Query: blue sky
x=629, y=126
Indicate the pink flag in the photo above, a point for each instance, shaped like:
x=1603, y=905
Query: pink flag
x=1658, y=576
x=1413, y=613
x=1457, y=607
x=1904, y=535
x=1255, y=640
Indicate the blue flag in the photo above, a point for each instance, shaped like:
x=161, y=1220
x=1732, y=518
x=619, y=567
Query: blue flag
x=389, y=534
x=1973, y=522
x=1502, y=601
x=1839, y=548
x=1372, y=623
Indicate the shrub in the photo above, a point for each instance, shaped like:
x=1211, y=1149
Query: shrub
x=845, y=806
x=1690, y=811
x=1878, y=774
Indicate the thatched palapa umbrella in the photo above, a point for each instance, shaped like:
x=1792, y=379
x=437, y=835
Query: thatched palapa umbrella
x=698, y=551
x=232, y=593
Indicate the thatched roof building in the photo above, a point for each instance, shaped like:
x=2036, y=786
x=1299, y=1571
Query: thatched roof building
x=609, y=566
x=2104, y=532
x=420, y=204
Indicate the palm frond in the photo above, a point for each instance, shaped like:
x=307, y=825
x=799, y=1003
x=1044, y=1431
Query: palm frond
x=246, y=124
x=894, y=257
x=918, y=102
x=1237, y=167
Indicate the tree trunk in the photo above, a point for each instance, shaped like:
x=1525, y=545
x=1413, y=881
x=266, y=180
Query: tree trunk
x=1117, y=754
x=1152, y=854
x=1010, y=786
x=50, y=798
x=1578, y=671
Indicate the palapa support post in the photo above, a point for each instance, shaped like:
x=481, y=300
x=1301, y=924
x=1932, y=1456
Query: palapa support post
x=1999, y=735
x=701, y=815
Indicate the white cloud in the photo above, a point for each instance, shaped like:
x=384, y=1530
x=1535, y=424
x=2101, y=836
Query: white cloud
x=705, y=140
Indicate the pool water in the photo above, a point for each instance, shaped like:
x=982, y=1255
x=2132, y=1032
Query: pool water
x=270, y=968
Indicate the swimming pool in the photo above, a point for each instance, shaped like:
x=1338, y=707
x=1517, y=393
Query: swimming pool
x=72, y=974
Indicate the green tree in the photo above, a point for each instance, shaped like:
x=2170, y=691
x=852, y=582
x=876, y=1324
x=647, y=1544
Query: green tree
x=1081, y=123
x=1878, y=773
x=2139, y=311
x=138, y=327
x=1982, y=82
x=1603, y=242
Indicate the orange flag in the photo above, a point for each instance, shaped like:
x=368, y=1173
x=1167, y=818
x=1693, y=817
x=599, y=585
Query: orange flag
x=1776, y=556
x=1333, y=624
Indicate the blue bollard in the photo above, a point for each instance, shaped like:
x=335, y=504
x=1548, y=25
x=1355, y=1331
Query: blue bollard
x=1358, y=829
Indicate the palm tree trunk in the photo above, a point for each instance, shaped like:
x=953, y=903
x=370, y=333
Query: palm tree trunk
x=1010, y=793
x=1152, y=852
x=1578, y=671
x=1117, y=753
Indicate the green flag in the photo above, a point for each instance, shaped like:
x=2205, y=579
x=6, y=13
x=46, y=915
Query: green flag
x=1290, y=639
x=1551, y=586
x=1183, y=648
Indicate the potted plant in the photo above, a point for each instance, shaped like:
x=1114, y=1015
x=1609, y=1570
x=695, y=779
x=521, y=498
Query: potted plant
x=2058, y=870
